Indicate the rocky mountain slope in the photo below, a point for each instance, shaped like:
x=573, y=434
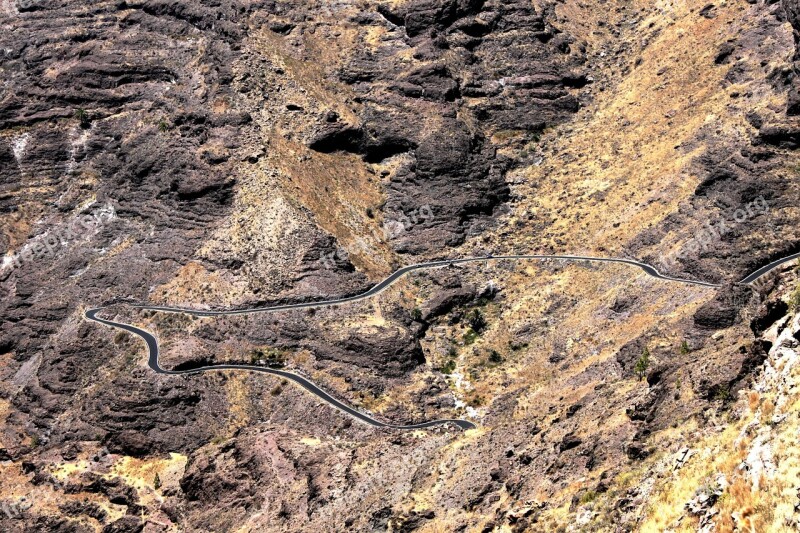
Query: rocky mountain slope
x=231, y=154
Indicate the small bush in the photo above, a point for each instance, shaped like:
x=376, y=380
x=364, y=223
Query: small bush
x=505, y=135
x=449, y=367
x=416, y=314
x=483, y=301
x=588, y=497
x=495, y=357
x=83, y=117
x=470, y=336
x=766, y=512
x=476, y=401
x=157, y=482
x=163, y=125
x=685, y=348
x=476, y=321
x=273, y=357
x=642, y=364
x=515, y=346
x=753, y=400
x=722, y=393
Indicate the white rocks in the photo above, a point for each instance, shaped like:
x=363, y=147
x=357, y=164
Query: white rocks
x=18, y=146
x=682, y=457
x=777, y=381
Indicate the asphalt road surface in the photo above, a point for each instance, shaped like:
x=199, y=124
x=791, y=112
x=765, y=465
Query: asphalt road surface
x=152, y=343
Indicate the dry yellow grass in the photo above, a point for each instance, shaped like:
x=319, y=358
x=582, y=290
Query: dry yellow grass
x=615, y=170
x=338, y=189
x=762, y=501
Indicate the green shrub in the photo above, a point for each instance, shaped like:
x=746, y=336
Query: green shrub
x=722, y=393
x=685, y=348
x=273, y=357
x=470, y=336
x=495, y=357
x=157, y=482
x=483, y=301
x=588, y=497
x=476, y=320
x=449, y=367
x=642, y=364
x=82, y=116
x=476, y=401
x=416, y=314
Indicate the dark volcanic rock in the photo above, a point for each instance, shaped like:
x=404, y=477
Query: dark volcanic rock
x=781, y=135
x=126, y=524
x=569, y=442
x=92, y=510
x=126, y=110
x=739, y=220
x=792, y=12
x=636, y=451
x=768, y=314
x=151, y=418
x=499, y=51
x=723, y=311
x=393, y=351
x=630, y=353
x=443, y=302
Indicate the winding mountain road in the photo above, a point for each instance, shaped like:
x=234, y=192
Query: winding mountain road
x=768, y=268
x=152, y=343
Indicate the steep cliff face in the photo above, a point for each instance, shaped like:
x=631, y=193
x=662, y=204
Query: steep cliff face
x=434, y=82
x=207, y=154
x=792, y=11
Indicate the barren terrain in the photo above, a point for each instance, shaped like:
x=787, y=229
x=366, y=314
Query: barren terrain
x=248, y=152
